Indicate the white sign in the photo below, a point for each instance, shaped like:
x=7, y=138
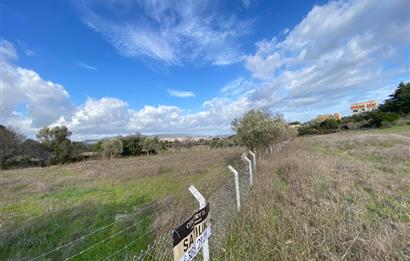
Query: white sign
x=197, y=246
x=189, y=238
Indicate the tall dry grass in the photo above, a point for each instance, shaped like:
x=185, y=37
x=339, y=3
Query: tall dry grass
x=328, y=198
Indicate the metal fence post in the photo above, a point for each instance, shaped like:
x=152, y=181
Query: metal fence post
x=202, y=203
x=250, y=170
x=238, y=196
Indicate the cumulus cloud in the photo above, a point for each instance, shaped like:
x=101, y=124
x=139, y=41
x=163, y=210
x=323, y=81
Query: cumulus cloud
x=173, y=32
x=44, y=101
x=339, y=52
x=180, y=93
x=340, y=49
x=29, y=102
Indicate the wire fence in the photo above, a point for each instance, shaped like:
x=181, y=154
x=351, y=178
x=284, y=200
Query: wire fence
x=223, y=211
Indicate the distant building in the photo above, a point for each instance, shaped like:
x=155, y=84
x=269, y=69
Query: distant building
x=336, y=116
x=366, y=106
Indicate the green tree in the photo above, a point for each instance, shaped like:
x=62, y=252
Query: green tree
x=399, y=101
x=112, y=147
x=153, y=145
x=259, y=128
x=9, y=141
x=132, y=145
x=329, y=124
x=57, y=140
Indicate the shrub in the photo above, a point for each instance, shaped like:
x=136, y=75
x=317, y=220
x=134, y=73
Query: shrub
x=258, y=128
x=112, y=147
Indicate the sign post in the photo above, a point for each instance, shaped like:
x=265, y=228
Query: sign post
x=238, y=196
x=250, y=170
x=202, y=203
x=190, y=237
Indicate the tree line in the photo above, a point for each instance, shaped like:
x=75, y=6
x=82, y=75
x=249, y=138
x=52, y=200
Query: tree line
x=389, y=113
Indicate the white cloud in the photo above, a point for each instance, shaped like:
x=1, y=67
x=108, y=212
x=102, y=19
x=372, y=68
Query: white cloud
x=30, y=102
x=173, y=32
x=340, y=52
x=7, y=50
x=180, y=93
x=44, y=101
x=238, y=87
x=340, y=49
x=104, y=116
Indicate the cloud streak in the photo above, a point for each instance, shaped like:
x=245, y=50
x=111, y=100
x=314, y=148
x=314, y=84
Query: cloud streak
x=86, y=66
x=173, y=32
x=180, y=93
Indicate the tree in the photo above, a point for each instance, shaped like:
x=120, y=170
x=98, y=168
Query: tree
x=112, y=147
x=259, y=128
x=399, y=101
x=9, y=141
x=153, y=145
x=329, y=124
x=57, y=140
x=132, y=145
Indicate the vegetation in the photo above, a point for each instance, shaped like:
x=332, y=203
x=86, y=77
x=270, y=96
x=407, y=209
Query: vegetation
x=388, y=114
x=57, y=140
x=399, y=101
x=260, y=128
x=111, y=147
x=43, y=208
x=17, y=151
x=342, y=196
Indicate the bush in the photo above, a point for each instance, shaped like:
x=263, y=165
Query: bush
x=259, y=128
x=112, y=147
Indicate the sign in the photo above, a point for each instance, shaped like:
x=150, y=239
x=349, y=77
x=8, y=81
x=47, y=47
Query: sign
x=190, y=236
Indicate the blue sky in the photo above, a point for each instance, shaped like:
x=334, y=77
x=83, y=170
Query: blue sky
x=116, y=67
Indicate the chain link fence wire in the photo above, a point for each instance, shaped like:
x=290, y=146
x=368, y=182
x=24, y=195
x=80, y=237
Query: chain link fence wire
x=223, y=211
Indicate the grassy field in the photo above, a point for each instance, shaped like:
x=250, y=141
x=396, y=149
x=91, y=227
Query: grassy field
x=43, y=208
x=344, y=196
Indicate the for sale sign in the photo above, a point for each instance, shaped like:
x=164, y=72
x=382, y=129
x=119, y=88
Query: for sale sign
x=190, y=236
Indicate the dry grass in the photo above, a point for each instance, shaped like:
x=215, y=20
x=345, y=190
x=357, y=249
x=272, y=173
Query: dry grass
x=334, y=197
x=42, y=208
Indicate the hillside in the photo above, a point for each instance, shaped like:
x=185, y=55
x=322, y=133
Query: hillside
x=329, y=197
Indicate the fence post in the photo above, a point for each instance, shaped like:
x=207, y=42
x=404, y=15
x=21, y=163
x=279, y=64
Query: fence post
x=271, y=149
x=250, y=170
x=254, y=162
x=202, y=203
x=238, y=196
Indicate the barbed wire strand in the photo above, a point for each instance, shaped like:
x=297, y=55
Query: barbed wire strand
x=104, y=240
x=90, y=234
x=127, y=245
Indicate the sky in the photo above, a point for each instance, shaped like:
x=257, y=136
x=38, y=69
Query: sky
x=108, y=67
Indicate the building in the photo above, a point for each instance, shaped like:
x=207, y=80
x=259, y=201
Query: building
x=366, y=106
x=336, y=116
